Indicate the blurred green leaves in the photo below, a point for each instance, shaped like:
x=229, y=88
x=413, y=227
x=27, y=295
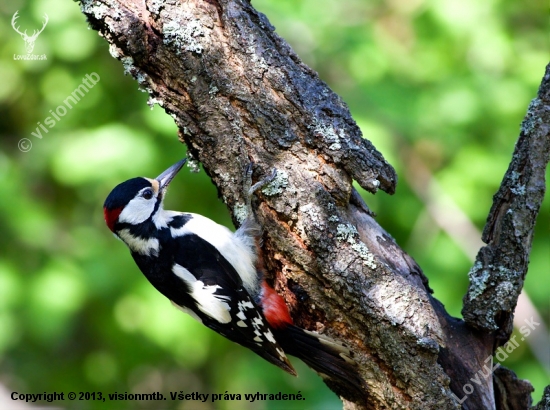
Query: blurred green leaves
x=107, y=149
x=448, y=80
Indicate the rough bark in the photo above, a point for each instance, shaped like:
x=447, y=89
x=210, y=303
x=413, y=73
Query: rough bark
x=497, y=277
x=544, y=403
x=238, y=92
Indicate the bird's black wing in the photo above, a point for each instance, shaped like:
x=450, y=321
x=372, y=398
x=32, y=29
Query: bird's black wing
x=198, y=278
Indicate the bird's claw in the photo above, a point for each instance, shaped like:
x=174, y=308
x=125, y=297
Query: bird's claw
x=249, y=189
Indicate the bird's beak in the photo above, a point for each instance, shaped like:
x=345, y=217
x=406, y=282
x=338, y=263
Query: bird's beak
x=167, y=176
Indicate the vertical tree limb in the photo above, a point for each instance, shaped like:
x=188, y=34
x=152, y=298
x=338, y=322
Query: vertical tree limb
x=497, y=277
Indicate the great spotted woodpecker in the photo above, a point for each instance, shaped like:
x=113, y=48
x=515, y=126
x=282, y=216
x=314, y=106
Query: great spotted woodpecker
x=212, y=274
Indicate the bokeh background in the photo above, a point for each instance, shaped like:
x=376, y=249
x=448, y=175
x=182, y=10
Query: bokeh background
x=439, y=86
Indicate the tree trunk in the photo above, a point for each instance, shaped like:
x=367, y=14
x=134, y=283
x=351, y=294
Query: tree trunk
x=238, y=93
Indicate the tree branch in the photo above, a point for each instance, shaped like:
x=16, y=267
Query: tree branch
x=497, y=276
x=238, y=93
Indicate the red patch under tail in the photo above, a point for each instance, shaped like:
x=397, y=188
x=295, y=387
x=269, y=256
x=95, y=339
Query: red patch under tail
x=274, y=308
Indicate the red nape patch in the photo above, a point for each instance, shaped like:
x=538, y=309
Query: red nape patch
x=274, y=308
x=111, y=216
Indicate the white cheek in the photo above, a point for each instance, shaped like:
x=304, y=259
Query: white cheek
x=137, y=211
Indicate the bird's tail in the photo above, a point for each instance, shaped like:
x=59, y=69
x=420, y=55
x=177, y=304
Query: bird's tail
x=330, y=359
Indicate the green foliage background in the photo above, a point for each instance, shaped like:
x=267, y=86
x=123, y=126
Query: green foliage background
x=448, y=79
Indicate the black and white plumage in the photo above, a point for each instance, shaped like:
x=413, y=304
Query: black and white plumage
x=211, y=273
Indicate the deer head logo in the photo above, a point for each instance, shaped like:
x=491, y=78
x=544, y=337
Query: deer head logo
x=29, y=40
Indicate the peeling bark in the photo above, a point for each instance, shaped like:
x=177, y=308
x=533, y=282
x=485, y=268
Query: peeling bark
x=238, y=92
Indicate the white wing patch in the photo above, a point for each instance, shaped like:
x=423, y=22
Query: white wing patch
x=213, y=305
x=147, y=247
x=231, y=246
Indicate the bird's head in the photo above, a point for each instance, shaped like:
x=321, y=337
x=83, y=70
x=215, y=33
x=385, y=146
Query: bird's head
x=138, y=199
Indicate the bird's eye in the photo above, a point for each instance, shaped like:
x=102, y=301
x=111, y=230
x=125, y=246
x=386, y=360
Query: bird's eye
x=147, y=194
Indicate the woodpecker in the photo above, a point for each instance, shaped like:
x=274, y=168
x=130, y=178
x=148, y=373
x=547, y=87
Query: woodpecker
x=213, y=274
